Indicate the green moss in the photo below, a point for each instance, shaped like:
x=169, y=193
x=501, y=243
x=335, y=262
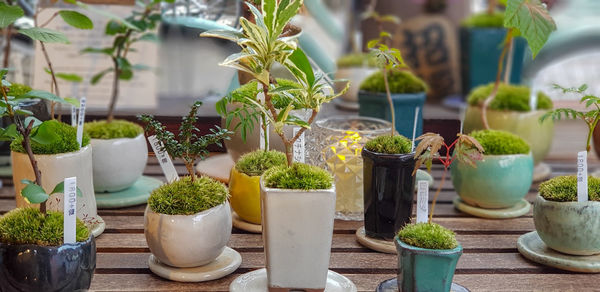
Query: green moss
x=257, y=162
x=401, y=81
x=298, y=177
x=66, y=142
x=496, y=142
x=187, y=197
x=564, y=189
x=17, y=89
x=484, y=20
x=509, y=97
x=112, y=130
x=357, y=60
x=30, y=226
x=428, y=235
x=397, y=144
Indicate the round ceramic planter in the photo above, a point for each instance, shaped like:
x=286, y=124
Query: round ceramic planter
x=375, y=104
x=568, y=227
x=388, y=192
x=27, y=267
x=55, y=168
x=355, y=75
x=421, y=269
x=118, y=163
x=245, y=196
x=186, y=241
x=498, y=181
x=523, y=124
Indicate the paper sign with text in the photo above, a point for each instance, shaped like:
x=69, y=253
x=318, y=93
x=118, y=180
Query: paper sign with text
x=163, y=159
x=70, y=209
x=299, y=147
x=422, y=201
x=582, y=177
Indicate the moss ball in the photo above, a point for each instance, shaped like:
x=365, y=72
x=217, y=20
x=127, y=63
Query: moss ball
x=564, y=189
x=484, y=20
x=428, y=235
x=298, y=177
x=187, y=197
x=509, y=97
x=66, y=142
x=30, y=226
x=496, y=142
x=257, y=162
x=113, y=130
x=401, y=81
x=357, y=60
x=386, y=144
x=17, y=89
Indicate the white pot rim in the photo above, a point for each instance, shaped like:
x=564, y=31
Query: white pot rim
x=267, y=189
x=216, y=208
x=81, y=150
x=115, y=139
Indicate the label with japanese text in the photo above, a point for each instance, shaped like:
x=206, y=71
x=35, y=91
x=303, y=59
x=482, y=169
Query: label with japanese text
x=70, y=209
x=422, y=201
x=582, y=177
x=163, y=159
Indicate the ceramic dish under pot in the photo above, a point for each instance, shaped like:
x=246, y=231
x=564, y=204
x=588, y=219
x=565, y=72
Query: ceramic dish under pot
x=118, y=163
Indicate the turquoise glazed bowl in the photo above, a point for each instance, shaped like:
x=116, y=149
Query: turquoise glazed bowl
x=375, y=104
x=421, y=269
x=568, y=227
x=498, y=181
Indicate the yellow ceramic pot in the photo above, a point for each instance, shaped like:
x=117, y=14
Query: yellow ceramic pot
x=524, y=124
x=245, y=196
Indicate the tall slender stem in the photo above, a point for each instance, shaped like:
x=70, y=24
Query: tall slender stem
x=7, y=40
x=486, y=103
x=389, y=98
x=491, y=6
x=437, y=193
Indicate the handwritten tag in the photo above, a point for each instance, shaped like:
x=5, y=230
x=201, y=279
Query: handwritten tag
x=163, y=159
x=298, y=148
x=80, y=121
x=422, y=201
x=582, y=177
x=73, y=116
x=70, y=209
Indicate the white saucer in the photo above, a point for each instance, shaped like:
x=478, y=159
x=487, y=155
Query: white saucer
x=256, y=281
x=519, y=209
x=541, y=172
x=224, y=265
x=376, y=244
x=244, y=225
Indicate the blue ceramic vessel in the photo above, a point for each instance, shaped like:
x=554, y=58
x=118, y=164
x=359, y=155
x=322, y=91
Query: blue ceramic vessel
x=375, y=104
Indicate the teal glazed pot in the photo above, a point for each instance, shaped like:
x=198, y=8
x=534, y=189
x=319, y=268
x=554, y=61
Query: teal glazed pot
x=568, y=227
x=375, y=104
x=425, y=270
x=498, y=181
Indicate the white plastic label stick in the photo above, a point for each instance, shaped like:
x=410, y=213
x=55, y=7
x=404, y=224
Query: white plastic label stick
x=298, y=147
x=261, y=99
x=163, y=159
x=70, y=209
x=422, y=201
x=415, y=128
x=73, y=116
x=582, y=177
x=80, y=121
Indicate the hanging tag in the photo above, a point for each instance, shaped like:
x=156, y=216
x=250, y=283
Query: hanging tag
x=582, y=177
x=80, y=121
x=73, y=116
x=164, y=159
x=422, y=201
x=70, y=209
x=298, y=147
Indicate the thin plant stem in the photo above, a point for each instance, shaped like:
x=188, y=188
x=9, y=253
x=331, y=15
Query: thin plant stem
x=494, y=92
x=390, y=101
x=437, y=193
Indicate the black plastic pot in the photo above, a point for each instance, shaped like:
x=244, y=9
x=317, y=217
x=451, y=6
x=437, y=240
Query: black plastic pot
x=388, y=192
x=29, y=267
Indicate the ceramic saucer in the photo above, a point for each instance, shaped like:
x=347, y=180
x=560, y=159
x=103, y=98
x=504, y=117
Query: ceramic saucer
x=217, y=167
x=380, y=245
x=519, y=209
x=391, y=285
x=541, y=172
x=97, y=227
x=244, y=225
x=222, y=266
x=531, y=246
x=256, y=281
x=137, y=194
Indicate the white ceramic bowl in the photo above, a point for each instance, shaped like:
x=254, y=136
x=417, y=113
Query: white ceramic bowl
x=118, y=163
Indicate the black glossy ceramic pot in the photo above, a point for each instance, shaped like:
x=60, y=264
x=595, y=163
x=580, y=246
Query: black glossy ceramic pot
x=388, y=192
x=28, y=267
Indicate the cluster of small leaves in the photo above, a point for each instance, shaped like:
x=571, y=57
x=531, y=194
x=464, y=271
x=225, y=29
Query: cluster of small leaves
x=188, y=144
x=257, y=162
x=30, y=226
x=386, y=144
x=428, y=235
x=113, y=130
x=564, y=189
x=187, y=196
x=299, y=176
x=399, y=81
x=532, y=20
x=496, y=142
x=467, y=150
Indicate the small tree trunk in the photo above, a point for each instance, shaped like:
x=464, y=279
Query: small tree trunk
x=390, y=101
x=7, y=40
x=115, y=90
x=289, y=153
x=437, y=193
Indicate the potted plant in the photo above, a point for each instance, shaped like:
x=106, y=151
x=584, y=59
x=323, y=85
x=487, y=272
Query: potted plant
x=244, y=182
x=33, y=256
x=354, y=67
x=483, y=190
x=187, y=222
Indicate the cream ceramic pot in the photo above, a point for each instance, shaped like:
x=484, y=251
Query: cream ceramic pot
x=355, y=75
x=55, y=168
x=297, y=234
x=118, y=163
x=188, y=240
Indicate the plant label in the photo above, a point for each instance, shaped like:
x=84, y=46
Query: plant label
x=582, y=177
x=412, y=147
x=422, y=201
x=163, y=159
x=70, y=209
x=73, y=116
x=80, y=121
x=298, y=147
x=264, y=136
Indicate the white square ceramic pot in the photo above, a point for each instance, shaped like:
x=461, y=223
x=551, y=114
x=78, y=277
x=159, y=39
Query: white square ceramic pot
x=297, y=234
x=118, y=163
